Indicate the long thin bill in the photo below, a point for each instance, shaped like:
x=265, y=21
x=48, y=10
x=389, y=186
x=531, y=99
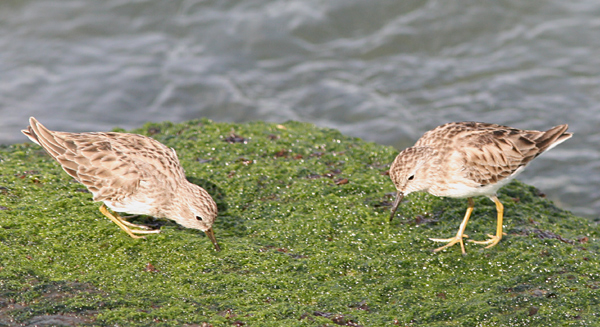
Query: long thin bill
x=211, y=234
x=399, y=197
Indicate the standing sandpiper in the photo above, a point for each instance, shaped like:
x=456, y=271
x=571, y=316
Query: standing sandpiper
x=130, y=173
x=467, y=159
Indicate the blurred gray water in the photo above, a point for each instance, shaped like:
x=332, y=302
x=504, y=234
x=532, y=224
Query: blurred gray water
x=383, y=70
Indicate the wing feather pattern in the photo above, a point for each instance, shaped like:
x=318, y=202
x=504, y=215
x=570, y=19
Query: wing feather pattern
x=108, y=164
x=497, y=152
x=491, y=152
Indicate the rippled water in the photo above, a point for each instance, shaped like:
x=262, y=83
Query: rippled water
x=385, y=71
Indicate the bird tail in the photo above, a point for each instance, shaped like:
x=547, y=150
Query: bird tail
x=44, y=137
x=29, y=132
x=552, y=137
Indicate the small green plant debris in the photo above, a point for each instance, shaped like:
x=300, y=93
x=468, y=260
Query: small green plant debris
x=306, y=241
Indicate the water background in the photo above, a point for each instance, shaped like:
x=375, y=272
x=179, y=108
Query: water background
x=383, y=70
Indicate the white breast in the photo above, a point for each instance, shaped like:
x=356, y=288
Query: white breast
x=462, y=190
x=133, y=207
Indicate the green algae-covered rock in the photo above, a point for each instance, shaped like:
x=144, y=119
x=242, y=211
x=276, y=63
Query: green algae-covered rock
x=305, y=237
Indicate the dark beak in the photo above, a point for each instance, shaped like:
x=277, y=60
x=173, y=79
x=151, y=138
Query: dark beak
x=399, y=197
x=211, y=234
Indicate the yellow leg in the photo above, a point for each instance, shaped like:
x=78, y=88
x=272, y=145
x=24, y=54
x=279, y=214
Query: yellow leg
x=124, y=221
x=117, y=220
x=493, y=240
x=460, y=234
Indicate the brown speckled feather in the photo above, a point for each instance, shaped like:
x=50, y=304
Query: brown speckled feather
x=111, y=165
x=129, y=173
x=468, y=159
x=492, y=152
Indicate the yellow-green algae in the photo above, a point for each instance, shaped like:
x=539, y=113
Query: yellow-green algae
x=305, y=238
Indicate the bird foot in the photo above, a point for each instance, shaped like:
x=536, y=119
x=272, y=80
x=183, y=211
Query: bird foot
x=154, y=231
x=123, y=224
x=132, y=232
x=130, y=224
x=451, y=241
x=493, y=240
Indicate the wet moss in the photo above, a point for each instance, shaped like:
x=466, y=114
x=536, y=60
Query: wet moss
x=305, y=238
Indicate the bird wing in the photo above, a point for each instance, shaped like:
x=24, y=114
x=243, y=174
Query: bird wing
x=491, y=157
x=108, y=164
x=490, y=152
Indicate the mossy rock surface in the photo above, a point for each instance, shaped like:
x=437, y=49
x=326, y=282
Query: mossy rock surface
x=306, y=241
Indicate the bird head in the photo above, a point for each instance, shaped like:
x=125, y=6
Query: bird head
x=409, y=173
x=198, y=211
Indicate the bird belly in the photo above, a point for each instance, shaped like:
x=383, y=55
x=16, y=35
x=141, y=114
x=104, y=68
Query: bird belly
x=456, y=190
x=464, y=191
x=467, y=189
x=133, y=206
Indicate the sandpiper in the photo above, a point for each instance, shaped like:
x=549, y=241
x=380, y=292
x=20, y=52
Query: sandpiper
x=130, y=173
x=467, y=159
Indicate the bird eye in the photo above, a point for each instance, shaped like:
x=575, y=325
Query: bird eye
x=411, y=177
x=199, y=218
